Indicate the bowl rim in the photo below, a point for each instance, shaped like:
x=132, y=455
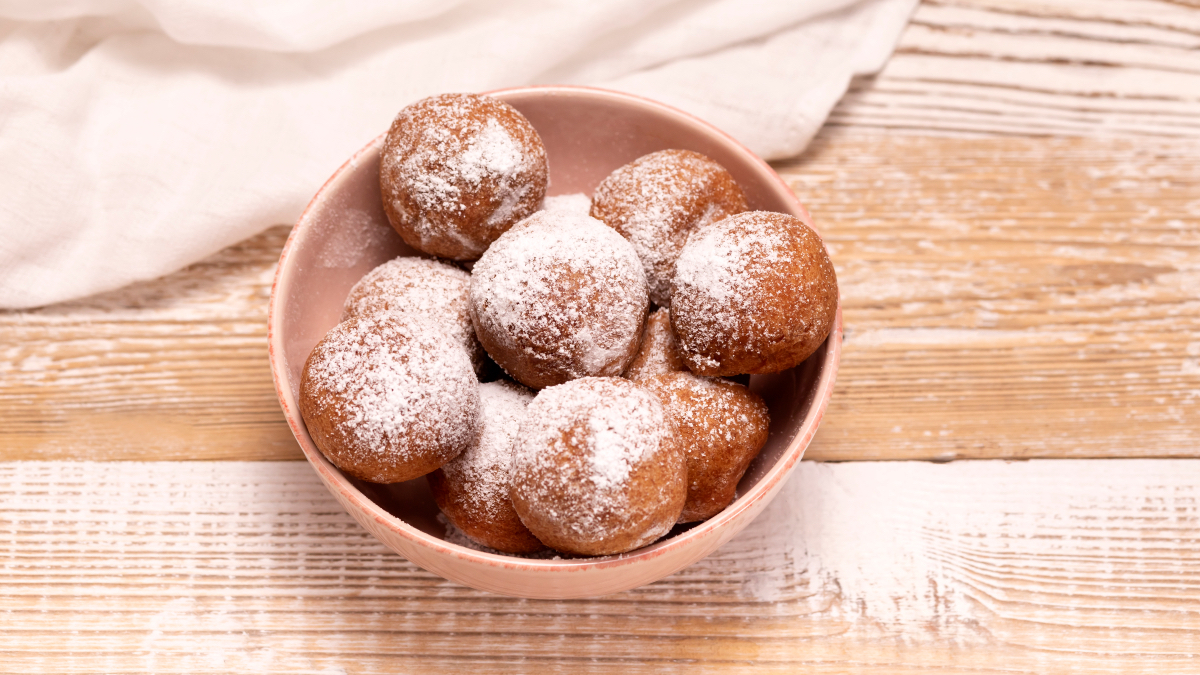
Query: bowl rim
x=709, y=528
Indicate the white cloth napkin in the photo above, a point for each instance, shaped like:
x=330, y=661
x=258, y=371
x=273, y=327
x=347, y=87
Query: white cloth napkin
x=139, y=136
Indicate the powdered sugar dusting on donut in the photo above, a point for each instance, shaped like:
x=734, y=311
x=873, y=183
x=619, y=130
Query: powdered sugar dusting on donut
x=612, y=429
x=577, y=452
x=576, y=202
x=457, y=170
x=722, y=262
x=659, y=352
x=484, y=467
x=753, y=293
x=411, y=284
x=423, y=287
x=657, y=199
x=723, y=425
x=716, y=275
x=493, y=151
x=394, y=387
x=712, y=405
x=457, y=154
x=560, y=293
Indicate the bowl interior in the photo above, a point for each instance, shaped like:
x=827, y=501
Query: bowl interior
x=587, y=133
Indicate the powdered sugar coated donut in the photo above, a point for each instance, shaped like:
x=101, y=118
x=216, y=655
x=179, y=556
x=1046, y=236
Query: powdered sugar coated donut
x=457, y=170
x=421, y=286
x=722, y=426
x=656, y=200
x=559, y=296
x=753, y=293
x=659, y=351
x=597, y=468
x=472, y=490
x=387, y=398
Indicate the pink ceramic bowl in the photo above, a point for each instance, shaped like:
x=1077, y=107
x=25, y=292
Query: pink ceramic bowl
x=588, y=133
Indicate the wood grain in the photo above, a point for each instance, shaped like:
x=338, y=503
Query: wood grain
x=1009, y=291
x=1013, y=208
x=1017, y=67
x=1011, y=298
x=170, y=369
x=1003, y=298
x=982, y=567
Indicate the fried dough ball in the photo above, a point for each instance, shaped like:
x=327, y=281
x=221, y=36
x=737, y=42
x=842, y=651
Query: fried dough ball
x=657, y=199
x=597, y=468
x=422, y=286
x=457, y=170
x=559, y=296
x=722, y=424
x=388, y=398
x=472, y=489
x=753, y=293
x=659, y=352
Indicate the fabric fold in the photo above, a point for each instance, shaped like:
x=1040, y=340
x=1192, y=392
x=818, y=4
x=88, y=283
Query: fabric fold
x=139, y=137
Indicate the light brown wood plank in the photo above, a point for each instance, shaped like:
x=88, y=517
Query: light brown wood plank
x=170, y=369
x=1011, y=298
x=984, y=567
x=1003, y=298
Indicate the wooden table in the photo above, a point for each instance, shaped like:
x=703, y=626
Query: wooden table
x=1013, y=207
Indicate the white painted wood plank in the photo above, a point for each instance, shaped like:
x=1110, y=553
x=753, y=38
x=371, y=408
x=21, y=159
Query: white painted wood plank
x=1052, y=19
x=1038, y=566
x=1179, y=15
x=1011, y=67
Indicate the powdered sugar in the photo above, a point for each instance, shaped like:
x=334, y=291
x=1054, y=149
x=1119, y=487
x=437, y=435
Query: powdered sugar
x=657, y=199
x=387, y=390
x=716, y=276
x=577, y=203
x=580, y=462
x=491, y=152
x=723, y=425
x=483, y=468
x=753, y=293
x=659, y=352
x=349, y=238
x=457, y=170
x=722, y=264
x=559, y=296
x=423, y=287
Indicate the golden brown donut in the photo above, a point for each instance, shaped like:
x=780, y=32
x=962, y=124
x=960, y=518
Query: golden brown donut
x=753, y=293
x=722, y=424
x=659, y=352
x=472, y=489
x=387, y=397
x=597, y=468
x=559, y=296
x=657, y=199
x=422, y=286
x=457, y=170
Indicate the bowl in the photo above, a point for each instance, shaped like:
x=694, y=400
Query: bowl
x=588, y=133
